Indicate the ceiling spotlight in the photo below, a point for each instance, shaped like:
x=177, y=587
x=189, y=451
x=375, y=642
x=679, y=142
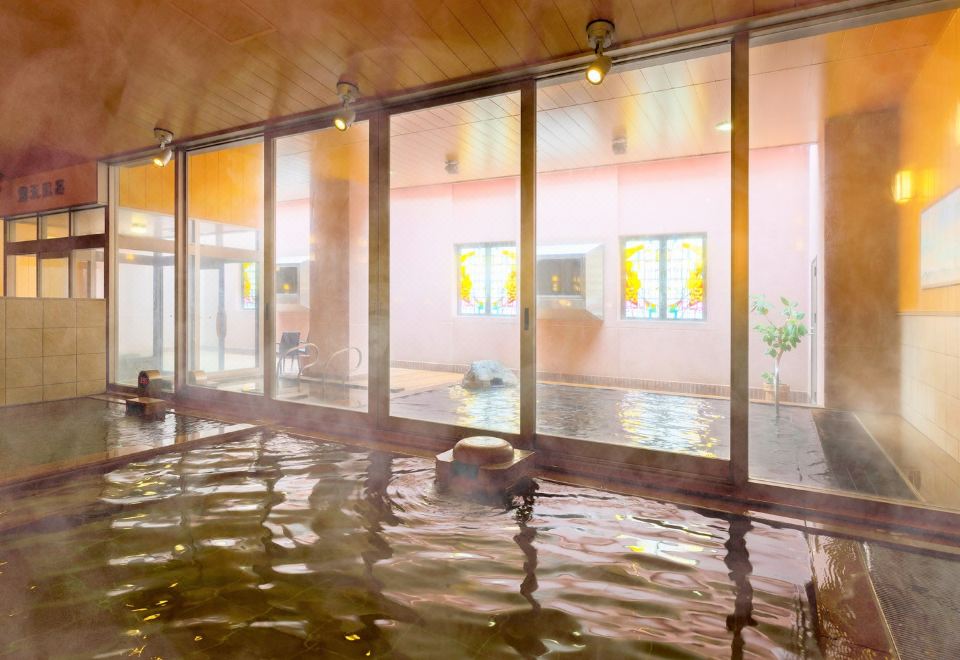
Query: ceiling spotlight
x=599, y=36
x=452, y=166
x=725, y=126
x=348, y=93
x=619, y=145
x=164, y=137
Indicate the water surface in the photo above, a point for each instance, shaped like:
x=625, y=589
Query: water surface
x=274, y=546
x=56, y=431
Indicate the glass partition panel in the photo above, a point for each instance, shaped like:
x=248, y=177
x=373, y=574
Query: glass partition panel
x=56, y=225
x=224, y=267
x=322, y=274
x=55, y=277
x=633, y=257
x=22, y=275
x=90, y=221
x=454, y=231
x=22, y=229
x=88, y=271
x=854, y=268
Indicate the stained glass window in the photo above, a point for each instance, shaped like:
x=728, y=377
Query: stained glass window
x=663, y=277
x=487, y=279
x=248, y=285
x=641, y=268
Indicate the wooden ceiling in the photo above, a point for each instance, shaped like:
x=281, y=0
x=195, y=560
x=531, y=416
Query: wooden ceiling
x=82, y=80
x=670, y=110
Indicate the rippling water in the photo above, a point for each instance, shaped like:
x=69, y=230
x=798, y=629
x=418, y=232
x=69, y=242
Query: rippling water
x=60, y=430
x=276, y=546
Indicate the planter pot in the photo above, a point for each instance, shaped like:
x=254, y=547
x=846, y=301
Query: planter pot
x=768, y=393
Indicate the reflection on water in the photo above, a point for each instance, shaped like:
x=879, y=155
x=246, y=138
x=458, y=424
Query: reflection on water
x=59, y=430
x=684, y=424
x=786, y=449
x=281, y=547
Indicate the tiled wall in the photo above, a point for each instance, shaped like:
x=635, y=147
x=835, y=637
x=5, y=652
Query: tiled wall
x=930, y=377
x=51, y=349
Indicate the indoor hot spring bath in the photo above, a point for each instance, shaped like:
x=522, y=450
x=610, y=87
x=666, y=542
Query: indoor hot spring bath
x=278, y=546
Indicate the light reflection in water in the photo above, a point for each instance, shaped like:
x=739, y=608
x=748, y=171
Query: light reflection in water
x=684, y=424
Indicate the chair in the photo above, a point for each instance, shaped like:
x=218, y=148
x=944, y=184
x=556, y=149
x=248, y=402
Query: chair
x=288, y=342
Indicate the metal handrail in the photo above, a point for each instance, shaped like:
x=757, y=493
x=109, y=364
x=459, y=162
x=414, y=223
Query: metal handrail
x=326, y=364
x=300, y=366
x=343, y=381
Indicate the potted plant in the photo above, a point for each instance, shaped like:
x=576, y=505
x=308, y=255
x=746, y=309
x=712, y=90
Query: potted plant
x=779, y=338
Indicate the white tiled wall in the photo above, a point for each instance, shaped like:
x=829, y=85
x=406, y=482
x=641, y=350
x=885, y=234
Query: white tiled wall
x=930, y=378
x=51, y=349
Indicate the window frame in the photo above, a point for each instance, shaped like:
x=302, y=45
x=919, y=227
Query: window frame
x=662, y=239
x=52, y=247
x=487, y=247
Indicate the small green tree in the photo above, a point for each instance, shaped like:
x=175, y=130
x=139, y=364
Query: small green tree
x=780, y=338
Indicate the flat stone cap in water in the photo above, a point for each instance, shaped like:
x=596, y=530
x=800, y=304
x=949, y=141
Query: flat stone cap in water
x=482, y=450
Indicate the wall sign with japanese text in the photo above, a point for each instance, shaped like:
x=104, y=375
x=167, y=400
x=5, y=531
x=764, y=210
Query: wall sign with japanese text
x=78, y=185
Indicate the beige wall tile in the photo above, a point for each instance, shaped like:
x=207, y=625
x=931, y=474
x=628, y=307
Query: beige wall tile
x=88, y=387
x=92, y=366
x=59, y=313
x=59, y=369
x=91, y=313
x=3, y=313
x=59, y=341
x=16, y=395
x=91, y=340
x=24, y=342
x=59, y=391
x=24, y=372
x=24, y=313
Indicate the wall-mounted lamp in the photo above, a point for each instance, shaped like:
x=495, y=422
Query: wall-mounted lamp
x=164, y=137
x=903, y=190
x=724, y=126
x=599, y=36
x=452, y=166
x=347, y=92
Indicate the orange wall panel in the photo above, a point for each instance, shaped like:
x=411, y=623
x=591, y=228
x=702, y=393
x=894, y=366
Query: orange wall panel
x=930, y=152
x=227, y=185
x=143, y=187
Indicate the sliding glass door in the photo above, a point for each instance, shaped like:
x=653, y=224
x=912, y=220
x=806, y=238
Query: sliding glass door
x=633, y=263
x=225, y=268
x=143, y=294
x=321, y=271
x=854, y=244
x=454, y=285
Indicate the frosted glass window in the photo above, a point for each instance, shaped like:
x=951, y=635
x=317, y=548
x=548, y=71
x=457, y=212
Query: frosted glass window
x=22, y=275
x=88, y=273
x=55, y=277
x=88, y=221
x=55, y=226
x=22, y=229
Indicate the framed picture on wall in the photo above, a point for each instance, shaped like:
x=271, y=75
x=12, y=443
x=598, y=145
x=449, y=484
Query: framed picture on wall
x=940, y=242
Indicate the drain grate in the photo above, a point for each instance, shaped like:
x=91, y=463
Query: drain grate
x=920, y=599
